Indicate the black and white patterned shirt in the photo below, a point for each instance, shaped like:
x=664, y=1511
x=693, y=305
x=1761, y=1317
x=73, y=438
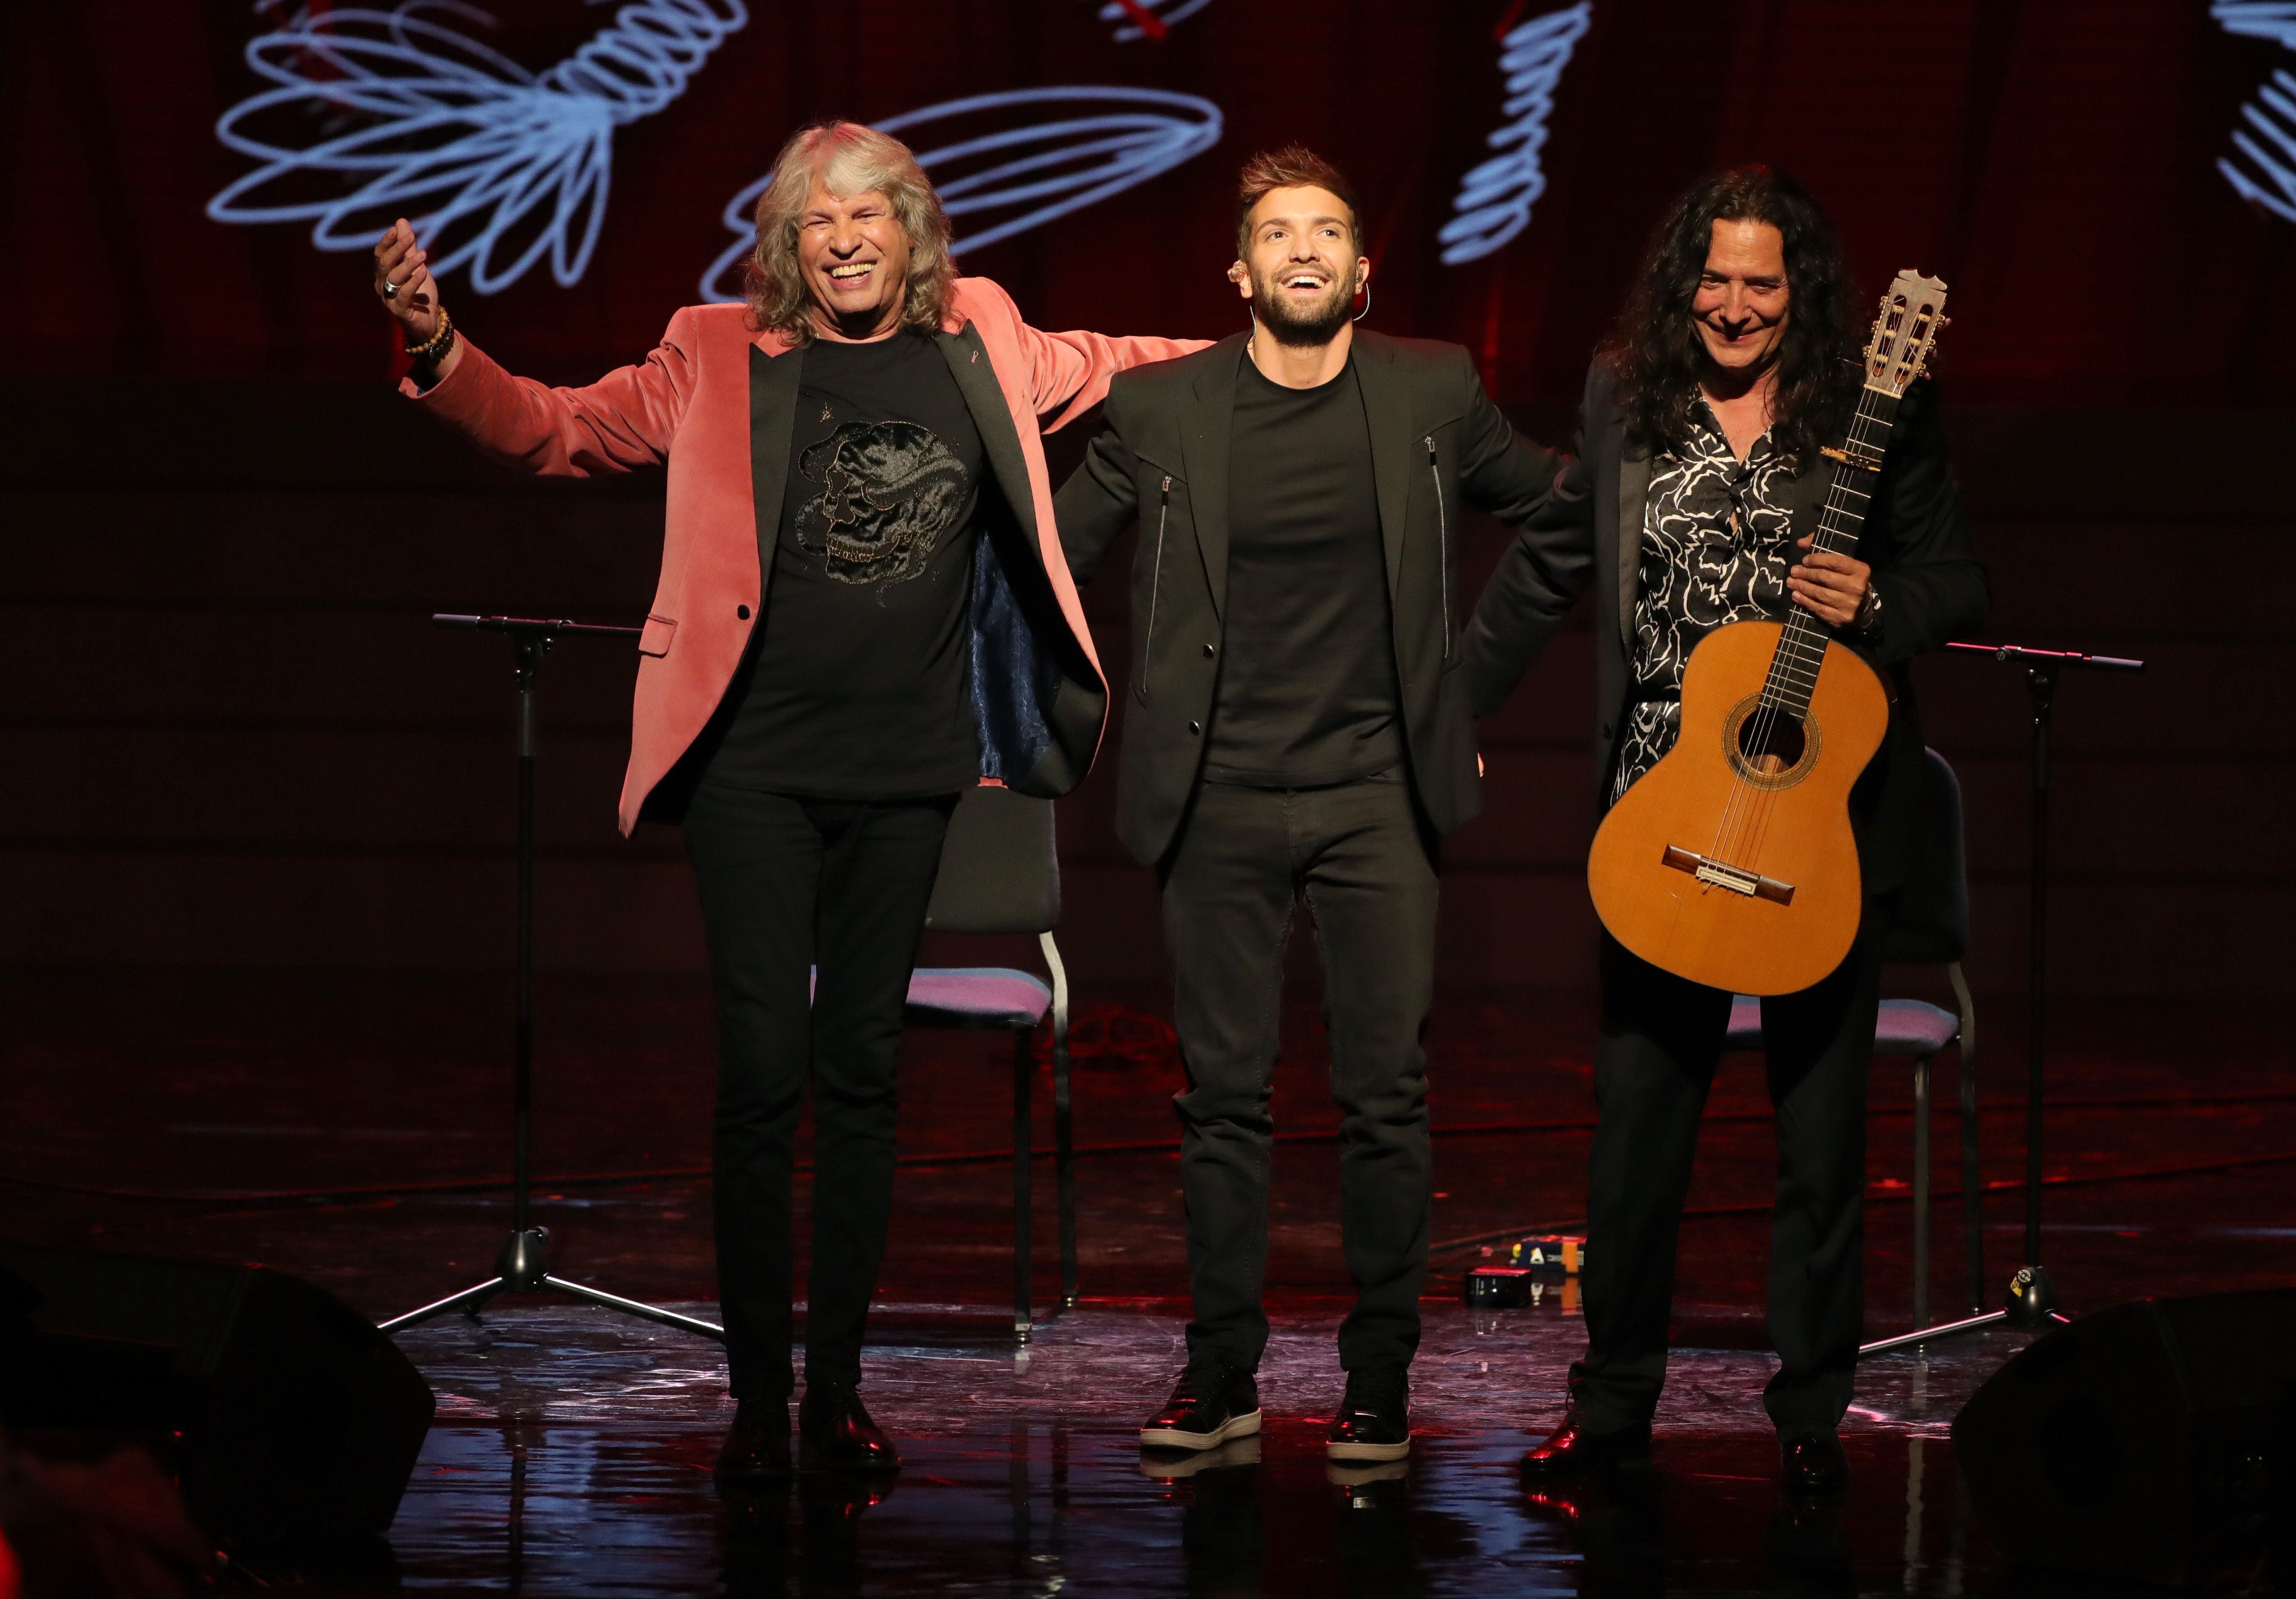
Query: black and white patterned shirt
x=1717, y=538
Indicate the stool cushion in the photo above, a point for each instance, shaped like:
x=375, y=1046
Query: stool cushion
x=1905, y=1027
x=1914, y=1026
x=975, y=996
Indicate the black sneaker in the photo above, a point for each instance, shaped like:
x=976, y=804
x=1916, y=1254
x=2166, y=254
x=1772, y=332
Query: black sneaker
x=1167, y=1466
x=1374, y=1418
x=1211, y=1403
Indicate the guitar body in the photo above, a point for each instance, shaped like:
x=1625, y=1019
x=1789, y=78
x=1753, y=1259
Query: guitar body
x=1731, y=861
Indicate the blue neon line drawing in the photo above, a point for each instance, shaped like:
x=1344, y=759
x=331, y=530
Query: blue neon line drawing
x=2271, y=147
x=1055, y=167
x=1127, y=17
x=1495, y=198
x=497, y=166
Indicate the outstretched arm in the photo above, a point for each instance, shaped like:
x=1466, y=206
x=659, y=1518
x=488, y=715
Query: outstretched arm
x=1501, y=470
x=1544, y=496
x=1069, y=372
x=1097, y=503
x=625, y=419
x=1545, y=564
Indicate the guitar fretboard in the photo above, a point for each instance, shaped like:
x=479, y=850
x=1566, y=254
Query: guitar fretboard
x=1802, y=649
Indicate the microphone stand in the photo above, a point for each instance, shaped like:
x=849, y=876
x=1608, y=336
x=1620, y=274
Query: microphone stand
x=2032, y=1302
x=523, y=1265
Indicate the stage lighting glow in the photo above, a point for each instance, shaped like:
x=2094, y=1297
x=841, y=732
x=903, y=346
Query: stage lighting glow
x=2269, y=142
x=1496, y=198
x=1132, y=17
x=1024, y=177
x=497, y=165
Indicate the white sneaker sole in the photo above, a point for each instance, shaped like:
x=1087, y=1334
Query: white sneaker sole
x=1367, y=1451
x=1172, y=1437
x=1175, y=1465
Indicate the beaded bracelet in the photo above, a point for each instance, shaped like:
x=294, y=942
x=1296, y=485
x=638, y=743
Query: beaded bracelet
x=434, y=348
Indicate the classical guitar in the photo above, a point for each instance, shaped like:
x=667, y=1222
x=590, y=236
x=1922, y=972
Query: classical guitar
x=1730, y=862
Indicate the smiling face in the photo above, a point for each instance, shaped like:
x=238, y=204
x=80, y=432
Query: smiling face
x=855, y=258
x=1300, y=267
x=1740, y=304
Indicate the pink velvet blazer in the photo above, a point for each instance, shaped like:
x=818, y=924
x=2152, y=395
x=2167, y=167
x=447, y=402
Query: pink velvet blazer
x=1039, y=695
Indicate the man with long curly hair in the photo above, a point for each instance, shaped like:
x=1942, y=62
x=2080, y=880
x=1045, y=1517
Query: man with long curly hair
x=863, y=611
x=1700, y=484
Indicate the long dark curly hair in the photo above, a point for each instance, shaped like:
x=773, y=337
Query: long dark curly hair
x=1656, y=351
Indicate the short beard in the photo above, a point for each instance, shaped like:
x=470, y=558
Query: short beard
x=1287, y=327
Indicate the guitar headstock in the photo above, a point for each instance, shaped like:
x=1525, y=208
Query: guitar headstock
x=1905, y=332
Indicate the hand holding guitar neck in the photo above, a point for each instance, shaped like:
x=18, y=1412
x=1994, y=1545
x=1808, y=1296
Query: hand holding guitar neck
x=1828, y=584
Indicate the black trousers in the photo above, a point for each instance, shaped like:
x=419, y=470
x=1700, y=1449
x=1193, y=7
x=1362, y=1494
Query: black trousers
x=1359, y=858
x=1654, y=1061
x=786, y=884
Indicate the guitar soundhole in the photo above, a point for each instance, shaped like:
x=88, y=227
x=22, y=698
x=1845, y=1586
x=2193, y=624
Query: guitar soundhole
x=1768, y=747
x=1772, y=745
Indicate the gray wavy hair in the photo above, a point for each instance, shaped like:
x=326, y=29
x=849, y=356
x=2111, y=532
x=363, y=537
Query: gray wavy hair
x=850, y=160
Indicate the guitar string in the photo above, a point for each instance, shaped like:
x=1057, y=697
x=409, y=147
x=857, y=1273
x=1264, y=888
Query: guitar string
x=1747, y=810
x=1790, y=658
x=1744, y=795
x=1804, y=631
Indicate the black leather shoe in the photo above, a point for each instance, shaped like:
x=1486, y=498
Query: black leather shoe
x=835, y=1432
x=1574, y=1448
x=1374, y=1419
x=1813, y=1464
x=1212, y=1402
x=756, y=1447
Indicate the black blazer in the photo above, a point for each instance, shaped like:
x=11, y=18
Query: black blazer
x=1930, y=585
x=1436, y=441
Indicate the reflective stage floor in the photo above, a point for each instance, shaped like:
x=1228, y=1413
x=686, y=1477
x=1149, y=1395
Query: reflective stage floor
x=572, y=1454
x=354, y=1132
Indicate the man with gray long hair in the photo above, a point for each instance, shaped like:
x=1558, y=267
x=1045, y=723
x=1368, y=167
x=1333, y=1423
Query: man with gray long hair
x=858, y=508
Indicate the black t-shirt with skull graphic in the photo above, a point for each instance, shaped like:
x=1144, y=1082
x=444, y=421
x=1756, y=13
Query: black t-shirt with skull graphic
x=856, y=688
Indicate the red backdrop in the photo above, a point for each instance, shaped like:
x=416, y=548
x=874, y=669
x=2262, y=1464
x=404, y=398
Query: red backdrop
x=2053, y=159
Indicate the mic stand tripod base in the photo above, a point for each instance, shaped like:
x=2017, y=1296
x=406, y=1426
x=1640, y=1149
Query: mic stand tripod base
x=524, y=1267
x=2032, y=1305
x=2032, y=1300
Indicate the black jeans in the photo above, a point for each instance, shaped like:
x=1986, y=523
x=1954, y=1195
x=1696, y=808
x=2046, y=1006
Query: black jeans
x=788, y=883
x=1654, y=1061
x=1357, y=854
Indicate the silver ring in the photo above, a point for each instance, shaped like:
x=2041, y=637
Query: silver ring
x=390, y=289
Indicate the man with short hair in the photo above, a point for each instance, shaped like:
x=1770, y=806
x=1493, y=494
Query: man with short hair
x=1295, y=732
x=863, y=611
x=1692, y=506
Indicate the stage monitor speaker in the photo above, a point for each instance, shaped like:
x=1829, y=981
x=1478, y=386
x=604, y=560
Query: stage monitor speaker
x=2153, y=1442
x=288, y=1416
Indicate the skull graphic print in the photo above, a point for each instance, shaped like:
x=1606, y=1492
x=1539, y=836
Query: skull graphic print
x=884, y=496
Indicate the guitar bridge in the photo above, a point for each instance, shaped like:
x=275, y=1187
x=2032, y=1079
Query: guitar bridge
x=1721, y=874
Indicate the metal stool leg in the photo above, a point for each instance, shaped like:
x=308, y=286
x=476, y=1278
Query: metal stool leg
x=1064, y=1144
x=1921, y=1191
x=1024, y=1080
x=1973, y=1175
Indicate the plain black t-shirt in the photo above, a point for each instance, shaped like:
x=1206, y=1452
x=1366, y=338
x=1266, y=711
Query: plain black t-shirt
x=855, y=688
x=1308, y=691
